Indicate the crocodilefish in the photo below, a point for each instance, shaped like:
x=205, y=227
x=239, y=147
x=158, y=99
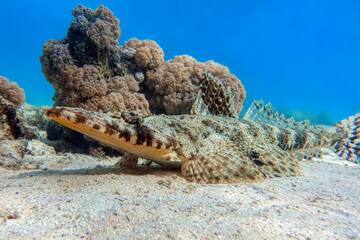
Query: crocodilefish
x=212, y=145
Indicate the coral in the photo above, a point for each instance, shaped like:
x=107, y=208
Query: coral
x=83, y=67
x=175, y=83
x=12, y=123
x=148, y=55
x=93, y=35
x=121, y=92
x=11, y=91
x=89, y=70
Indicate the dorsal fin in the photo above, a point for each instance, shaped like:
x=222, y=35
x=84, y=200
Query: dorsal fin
x=258, y=112
x=199, y=107
x=214, y=98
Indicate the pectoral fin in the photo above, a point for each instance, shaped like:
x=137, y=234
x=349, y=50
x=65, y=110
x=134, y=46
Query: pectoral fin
x=220, y=161
x=274, y=162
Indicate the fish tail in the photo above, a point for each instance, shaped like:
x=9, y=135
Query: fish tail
x=349, y=146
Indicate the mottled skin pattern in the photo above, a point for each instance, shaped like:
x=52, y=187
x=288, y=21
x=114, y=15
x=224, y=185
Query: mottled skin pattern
x=209, y=149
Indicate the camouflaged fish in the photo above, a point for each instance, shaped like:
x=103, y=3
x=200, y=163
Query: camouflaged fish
x=212, y=145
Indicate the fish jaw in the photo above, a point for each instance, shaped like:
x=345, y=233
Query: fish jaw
x=114, y=133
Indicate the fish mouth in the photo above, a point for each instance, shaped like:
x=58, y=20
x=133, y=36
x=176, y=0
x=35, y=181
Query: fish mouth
x=136, y=139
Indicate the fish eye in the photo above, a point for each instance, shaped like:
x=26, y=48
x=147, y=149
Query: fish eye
x=131, y=116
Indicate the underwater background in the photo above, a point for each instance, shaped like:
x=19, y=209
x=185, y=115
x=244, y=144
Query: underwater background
x=302, y=56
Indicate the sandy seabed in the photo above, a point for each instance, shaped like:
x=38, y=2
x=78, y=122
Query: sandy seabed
x=85, y=201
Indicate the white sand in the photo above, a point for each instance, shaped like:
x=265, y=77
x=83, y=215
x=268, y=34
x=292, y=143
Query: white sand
x=100, y=203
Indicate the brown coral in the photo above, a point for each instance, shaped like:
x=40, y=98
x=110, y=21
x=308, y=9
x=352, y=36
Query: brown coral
x=93, y=35
x=11, y=91
x=84, y=67
x=174, y=84
x=89, y=70
x=121, y=93
x=148, y=55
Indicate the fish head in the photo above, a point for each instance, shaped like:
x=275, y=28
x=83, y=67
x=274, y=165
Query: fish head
x=124, y=130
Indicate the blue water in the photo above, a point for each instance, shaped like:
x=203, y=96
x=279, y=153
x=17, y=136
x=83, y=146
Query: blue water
x=303, y=56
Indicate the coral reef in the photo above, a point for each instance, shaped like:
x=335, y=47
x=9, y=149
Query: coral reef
x=83, y=66
x=12, y=123
x=34, y=116
x=93, y=35
x=148, y=55
x=11, y=91
x=16, y=118
x=89, y=70
x=175, y=83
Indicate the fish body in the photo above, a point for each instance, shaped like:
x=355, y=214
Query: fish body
x=212, y=145
x=208, y=149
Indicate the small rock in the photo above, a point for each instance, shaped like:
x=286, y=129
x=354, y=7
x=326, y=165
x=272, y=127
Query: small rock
x=11, y=153
x=38, y=148
x=139, y=76
x=165, y=183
